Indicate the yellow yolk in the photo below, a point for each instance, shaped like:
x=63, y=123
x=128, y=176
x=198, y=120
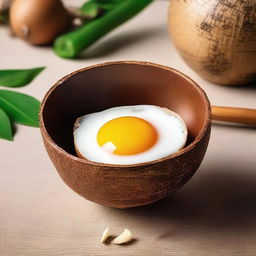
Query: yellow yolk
x=127, y=135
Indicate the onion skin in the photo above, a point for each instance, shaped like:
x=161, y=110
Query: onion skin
x=38, y=22
x=216, y=38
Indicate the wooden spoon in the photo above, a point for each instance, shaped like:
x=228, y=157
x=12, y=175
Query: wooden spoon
x=236, y=115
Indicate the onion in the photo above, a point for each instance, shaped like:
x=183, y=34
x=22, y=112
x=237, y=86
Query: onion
x=216, y=38
x=38, y=21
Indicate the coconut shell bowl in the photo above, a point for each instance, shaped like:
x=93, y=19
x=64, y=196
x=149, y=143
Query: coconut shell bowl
x=107, y=85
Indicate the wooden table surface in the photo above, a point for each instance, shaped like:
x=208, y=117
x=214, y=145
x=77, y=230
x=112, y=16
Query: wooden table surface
x=214, y=214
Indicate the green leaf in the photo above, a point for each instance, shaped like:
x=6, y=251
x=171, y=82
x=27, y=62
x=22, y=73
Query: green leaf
x=93, y=8
x=5, y=126
x=89, y=9
x=20, y=107
x=18, y=77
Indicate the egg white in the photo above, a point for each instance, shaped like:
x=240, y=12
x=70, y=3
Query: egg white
x=171, y=129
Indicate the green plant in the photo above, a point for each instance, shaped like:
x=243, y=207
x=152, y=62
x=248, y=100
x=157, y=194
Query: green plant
x=14, y=106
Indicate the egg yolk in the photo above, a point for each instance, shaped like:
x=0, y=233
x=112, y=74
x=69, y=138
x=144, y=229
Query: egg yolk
x=127, y=135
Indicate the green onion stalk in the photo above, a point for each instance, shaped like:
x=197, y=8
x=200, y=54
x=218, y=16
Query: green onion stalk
x=71, y=44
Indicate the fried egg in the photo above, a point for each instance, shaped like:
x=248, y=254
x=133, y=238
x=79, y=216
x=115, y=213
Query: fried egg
x=129, y=134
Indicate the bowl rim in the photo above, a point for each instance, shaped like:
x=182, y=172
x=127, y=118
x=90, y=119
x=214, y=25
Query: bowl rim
x=198, y=138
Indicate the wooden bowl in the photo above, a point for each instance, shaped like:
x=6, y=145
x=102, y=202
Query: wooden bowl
x=113, y=84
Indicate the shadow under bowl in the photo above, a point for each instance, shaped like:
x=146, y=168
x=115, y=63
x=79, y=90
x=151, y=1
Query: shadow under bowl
x=107, y=85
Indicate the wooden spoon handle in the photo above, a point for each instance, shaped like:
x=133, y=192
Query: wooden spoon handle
x=235, y=115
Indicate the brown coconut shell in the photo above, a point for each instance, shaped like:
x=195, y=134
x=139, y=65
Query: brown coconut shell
x=113, y=84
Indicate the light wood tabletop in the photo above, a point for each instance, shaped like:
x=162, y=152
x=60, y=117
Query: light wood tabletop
x=213, y=214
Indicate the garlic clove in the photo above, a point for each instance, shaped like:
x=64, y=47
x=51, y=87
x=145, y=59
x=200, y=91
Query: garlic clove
x=124, y=237
x=105, y=235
